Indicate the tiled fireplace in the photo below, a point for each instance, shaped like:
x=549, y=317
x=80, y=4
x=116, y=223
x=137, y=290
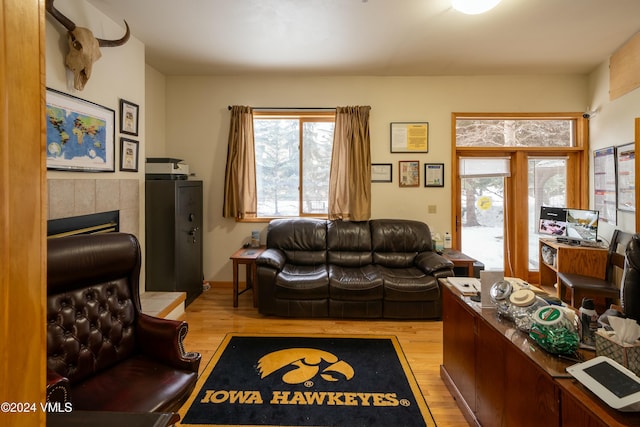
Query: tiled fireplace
x=74, y=197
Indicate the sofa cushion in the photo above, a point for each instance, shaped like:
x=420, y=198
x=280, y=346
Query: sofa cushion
x=302, y=240
x=396, y=242
x=355, y=283
x=409, y=284
x=348, y=243
x=302, y=282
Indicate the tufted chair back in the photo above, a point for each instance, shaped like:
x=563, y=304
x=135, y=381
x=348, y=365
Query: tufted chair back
x=92, y=302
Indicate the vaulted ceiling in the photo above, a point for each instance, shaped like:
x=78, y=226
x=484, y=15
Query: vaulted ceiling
x=374, y=37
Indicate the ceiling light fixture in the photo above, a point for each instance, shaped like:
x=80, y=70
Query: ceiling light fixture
x=474, y=7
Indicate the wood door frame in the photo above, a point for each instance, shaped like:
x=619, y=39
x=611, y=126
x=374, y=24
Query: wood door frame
x=517, y=242
x=23, y=206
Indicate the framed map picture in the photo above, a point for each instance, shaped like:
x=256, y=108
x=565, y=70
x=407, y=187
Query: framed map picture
x=80, y=134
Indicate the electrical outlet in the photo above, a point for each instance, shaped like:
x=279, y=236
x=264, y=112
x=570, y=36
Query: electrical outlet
x=431, y=209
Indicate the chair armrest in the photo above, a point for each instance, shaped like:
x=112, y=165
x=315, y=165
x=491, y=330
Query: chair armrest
x=58, y=388
x=434, y=264
x=273, y=258
x=162, y=339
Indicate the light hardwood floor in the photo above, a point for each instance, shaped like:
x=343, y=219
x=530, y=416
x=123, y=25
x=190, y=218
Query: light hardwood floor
x=212, y=315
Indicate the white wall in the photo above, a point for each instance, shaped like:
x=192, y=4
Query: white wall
x=119, y=73
x=612, y=125
x=198, y=121
x=155, y=95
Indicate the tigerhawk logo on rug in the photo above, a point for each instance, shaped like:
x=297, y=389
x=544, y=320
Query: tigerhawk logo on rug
x=307, y=363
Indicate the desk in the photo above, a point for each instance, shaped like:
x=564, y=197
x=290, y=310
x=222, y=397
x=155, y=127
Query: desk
x=499, y=376
x=248, y=257
x=460, y=260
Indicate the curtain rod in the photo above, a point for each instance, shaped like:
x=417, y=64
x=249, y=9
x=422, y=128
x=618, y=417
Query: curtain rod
x=291, y=108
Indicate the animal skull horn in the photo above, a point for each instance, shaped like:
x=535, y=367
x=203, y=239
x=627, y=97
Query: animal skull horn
x=84, y=48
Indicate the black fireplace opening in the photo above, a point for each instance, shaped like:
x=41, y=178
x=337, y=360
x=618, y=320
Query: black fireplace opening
x=102, y=222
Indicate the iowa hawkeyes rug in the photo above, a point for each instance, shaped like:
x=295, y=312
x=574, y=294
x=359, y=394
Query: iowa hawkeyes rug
x=307, y=381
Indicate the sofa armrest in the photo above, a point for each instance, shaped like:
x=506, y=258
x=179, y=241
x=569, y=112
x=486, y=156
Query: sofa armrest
x=58, y=388
x=434, y=264
x=273, y=258
x=162, y=339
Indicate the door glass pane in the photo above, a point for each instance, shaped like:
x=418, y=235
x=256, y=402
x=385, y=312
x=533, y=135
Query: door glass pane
x=547, y=187
x=483, y=220
x=317, y=142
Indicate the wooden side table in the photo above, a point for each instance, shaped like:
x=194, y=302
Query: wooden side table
x=248, y=257
x=460, y=260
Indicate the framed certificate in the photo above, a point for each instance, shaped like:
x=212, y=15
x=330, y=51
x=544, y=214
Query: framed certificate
x=434, y=174
x=410, y=137
x=381, y=172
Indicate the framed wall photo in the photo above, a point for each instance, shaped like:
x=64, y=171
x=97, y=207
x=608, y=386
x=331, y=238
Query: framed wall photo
x=129, y=150
x=381, y=172
x=434, y=174
x=80, y=134
x=129, y=114
x=409, y=173
x=410, y=137
x=625, y=159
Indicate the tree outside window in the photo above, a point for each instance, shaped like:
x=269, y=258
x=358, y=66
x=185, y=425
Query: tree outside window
x=293, y=157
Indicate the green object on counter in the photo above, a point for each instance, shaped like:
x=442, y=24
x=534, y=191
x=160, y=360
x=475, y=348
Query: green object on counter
x=553, y=331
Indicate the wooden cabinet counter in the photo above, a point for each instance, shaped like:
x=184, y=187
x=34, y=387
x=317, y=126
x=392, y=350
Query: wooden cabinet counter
x=496, y=373
x=501, y=377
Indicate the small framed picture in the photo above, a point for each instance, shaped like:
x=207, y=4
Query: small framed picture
x=381, y=172
x=434, y=174
x=409, y=173
x=129, y=113
x=128, y=155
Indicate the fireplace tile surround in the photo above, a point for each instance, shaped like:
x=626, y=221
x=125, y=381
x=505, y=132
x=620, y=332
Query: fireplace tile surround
x=73, y=197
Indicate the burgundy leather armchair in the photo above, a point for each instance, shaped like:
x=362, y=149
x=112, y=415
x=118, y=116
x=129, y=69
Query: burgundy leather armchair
x=103, y=354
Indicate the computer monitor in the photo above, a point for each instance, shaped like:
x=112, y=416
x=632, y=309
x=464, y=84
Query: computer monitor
x=582, y=224
x=552, y=221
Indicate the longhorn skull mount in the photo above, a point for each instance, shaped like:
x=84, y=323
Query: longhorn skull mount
x=84, y=48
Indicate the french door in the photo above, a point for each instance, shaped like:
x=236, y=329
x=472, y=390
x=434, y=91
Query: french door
x=499, y=192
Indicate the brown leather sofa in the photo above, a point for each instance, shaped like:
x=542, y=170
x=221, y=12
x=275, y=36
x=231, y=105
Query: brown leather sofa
x=382, y=268
x=103, y=354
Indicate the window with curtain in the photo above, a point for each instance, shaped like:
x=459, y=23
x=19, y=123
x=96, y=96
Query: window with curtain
x=293, y=162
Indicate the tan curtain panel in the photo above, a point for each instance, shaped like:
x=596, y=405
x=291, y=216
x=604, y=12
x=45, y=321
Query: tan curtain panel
x=240, y=196
x=350, y=176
